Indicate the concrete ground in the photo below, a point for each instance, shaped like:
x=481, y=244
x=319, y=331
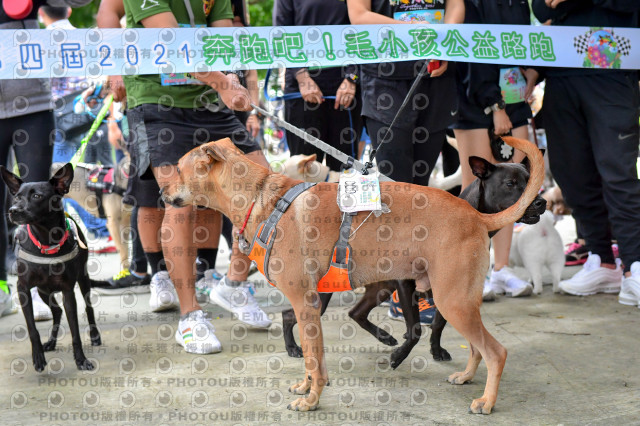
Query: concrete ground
x=572, y=360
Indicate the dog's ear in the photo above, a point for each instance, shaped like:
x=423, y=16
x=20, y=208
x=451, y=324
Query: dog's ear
x=480, y=167
x=12, y=181
x=527, y=165
x=306, y=162
x=214, y=151
x=61, y=180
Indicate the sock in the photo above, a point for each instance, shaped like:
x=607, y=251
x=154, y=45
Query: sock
x=156, y=260
x=3, y=286
x=206, y=260
x=137, y=274
x=232, y=283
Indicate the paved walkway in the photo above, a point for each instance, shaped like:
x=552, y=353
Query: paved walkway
x=571, y=361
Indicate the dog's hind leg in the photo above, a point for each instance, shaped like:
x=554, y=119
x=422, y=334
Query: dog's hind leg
x=71, y=310
x=373, y=296
x=307, y=309
x=56, y=312
x=289, y=320
x=464, y=315
x=439, y=353
x=85, y=288
x=409, y=300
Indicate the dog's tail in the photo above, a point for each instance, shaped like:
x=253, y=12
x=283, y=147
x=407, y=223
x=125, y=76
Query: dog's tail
x=499, y=220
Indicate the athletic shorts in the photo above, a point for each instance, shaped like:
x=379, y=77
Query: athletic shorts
x=471, y=117
x=161, y=135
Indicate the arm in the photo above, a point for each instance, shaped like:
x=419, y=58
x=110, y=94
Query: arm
x=253, y=124
x=232, y=93
x=453, y=14
x=109, y=15
x=360, y=13
x=618, y=5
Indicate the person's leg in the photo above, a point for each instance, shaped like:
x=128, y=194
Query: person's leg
x=395, y=153
x=475, y=142
x=139, y=263
x=307, y=117
x=338, y=130
x=574, y=166
x=615, y=148
x=177, y=243
x=426, y=151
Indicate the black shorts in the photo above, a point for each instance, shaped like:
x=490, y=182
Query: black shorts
x=472, y=117
x=161, y=135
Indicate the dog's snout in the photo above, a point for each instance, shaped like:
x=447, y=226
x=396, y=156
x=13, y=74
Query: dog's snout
x=540, y=203
x=13, y=209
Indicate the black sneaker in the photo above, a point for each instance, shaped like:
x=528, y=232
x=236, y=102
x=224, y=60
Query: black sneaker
x=122, y=282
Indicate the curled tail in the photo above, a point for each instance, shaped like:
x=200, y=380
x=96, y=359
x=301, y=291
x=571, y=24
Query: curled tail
x=499, y=220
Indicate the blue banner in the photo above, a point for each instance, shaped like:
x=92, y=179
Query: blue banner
x=93, y=52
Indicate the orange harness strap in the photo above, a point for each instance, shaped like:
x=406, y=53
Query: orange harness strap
x=338, y=277
x=265, y=236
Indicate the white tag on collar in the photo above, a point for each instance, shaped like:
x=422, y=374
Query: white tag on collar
x=358, y=192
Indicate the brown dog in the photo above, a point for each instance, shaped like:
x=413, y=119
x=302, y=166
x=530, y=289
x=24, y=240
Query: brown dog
x=219, y=176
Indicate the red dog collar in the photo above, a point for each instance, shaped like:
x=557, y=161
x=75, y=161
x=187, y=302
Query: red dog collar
x=44, y=249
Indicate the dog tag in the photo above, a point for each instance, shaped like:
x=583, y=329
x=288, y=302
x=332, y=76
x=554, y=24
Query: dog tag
x=358, y=192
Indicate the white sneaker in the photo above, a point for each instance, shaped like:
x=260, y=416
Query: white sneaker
x=204, y=285
x=7, y=307
x=488, y=294
x=239, y=301
x=593, y=278
x=41, y=311
x=630, y=290
x=506, y=282
x=163, y=293
x=196, y=334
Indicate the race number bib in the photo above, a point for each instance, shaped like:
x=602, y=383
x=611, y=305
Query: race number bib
x=357, y=192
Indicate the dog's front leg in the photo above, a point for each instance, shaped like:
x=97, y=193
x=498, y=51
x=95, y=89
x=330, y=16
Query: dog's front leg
x=37, y=351
x=308, y=312
x=56, y=311
x=71, y=309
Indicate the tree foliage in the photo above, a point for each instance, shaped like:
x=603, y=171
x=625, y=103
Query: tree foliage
x=260, y=12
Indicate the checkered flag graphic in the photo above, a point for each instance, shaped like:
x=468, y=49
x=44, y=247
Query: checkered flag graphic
x=624, y=45
x=581, y=43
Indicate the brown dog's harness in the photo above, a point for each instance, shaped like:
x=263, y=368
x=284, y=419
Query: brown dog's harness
x=101, y=180
x=336, y=278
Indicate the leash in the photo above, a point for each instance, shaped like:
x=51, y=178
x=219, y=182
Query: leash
x=423, y=71
x=345, y=159
x=94, y=127
x=298, y=95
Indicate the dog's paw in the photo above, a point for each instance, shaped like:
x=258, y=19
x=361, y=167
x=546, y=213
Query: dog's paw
x=49, y=346
x=302, y=404
x=39, y=361
x=84, y=364
x=397, y=357
x=537, y=291
x=440, y=354
x=480, y=406
x=96, y=341
x=301, y=388
x=294, y=351
x=460, y=378
x=386, y=338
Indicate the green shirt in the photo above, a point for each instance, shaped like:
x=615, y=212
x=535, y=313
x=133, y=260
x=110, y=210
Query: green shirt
x=147, y=89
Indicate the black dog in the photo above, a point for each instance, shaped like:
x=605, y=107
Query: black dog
x=52, y=255
x=497, y=187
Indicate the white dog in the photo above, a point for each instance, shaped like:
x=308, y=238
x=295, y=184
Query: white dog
x=537, y=246
x=305, y=167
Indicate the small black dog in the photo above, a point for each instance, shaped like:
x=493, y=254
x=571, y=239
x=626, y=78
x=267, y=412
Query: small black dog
x=52, y=255
x=498, y=186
